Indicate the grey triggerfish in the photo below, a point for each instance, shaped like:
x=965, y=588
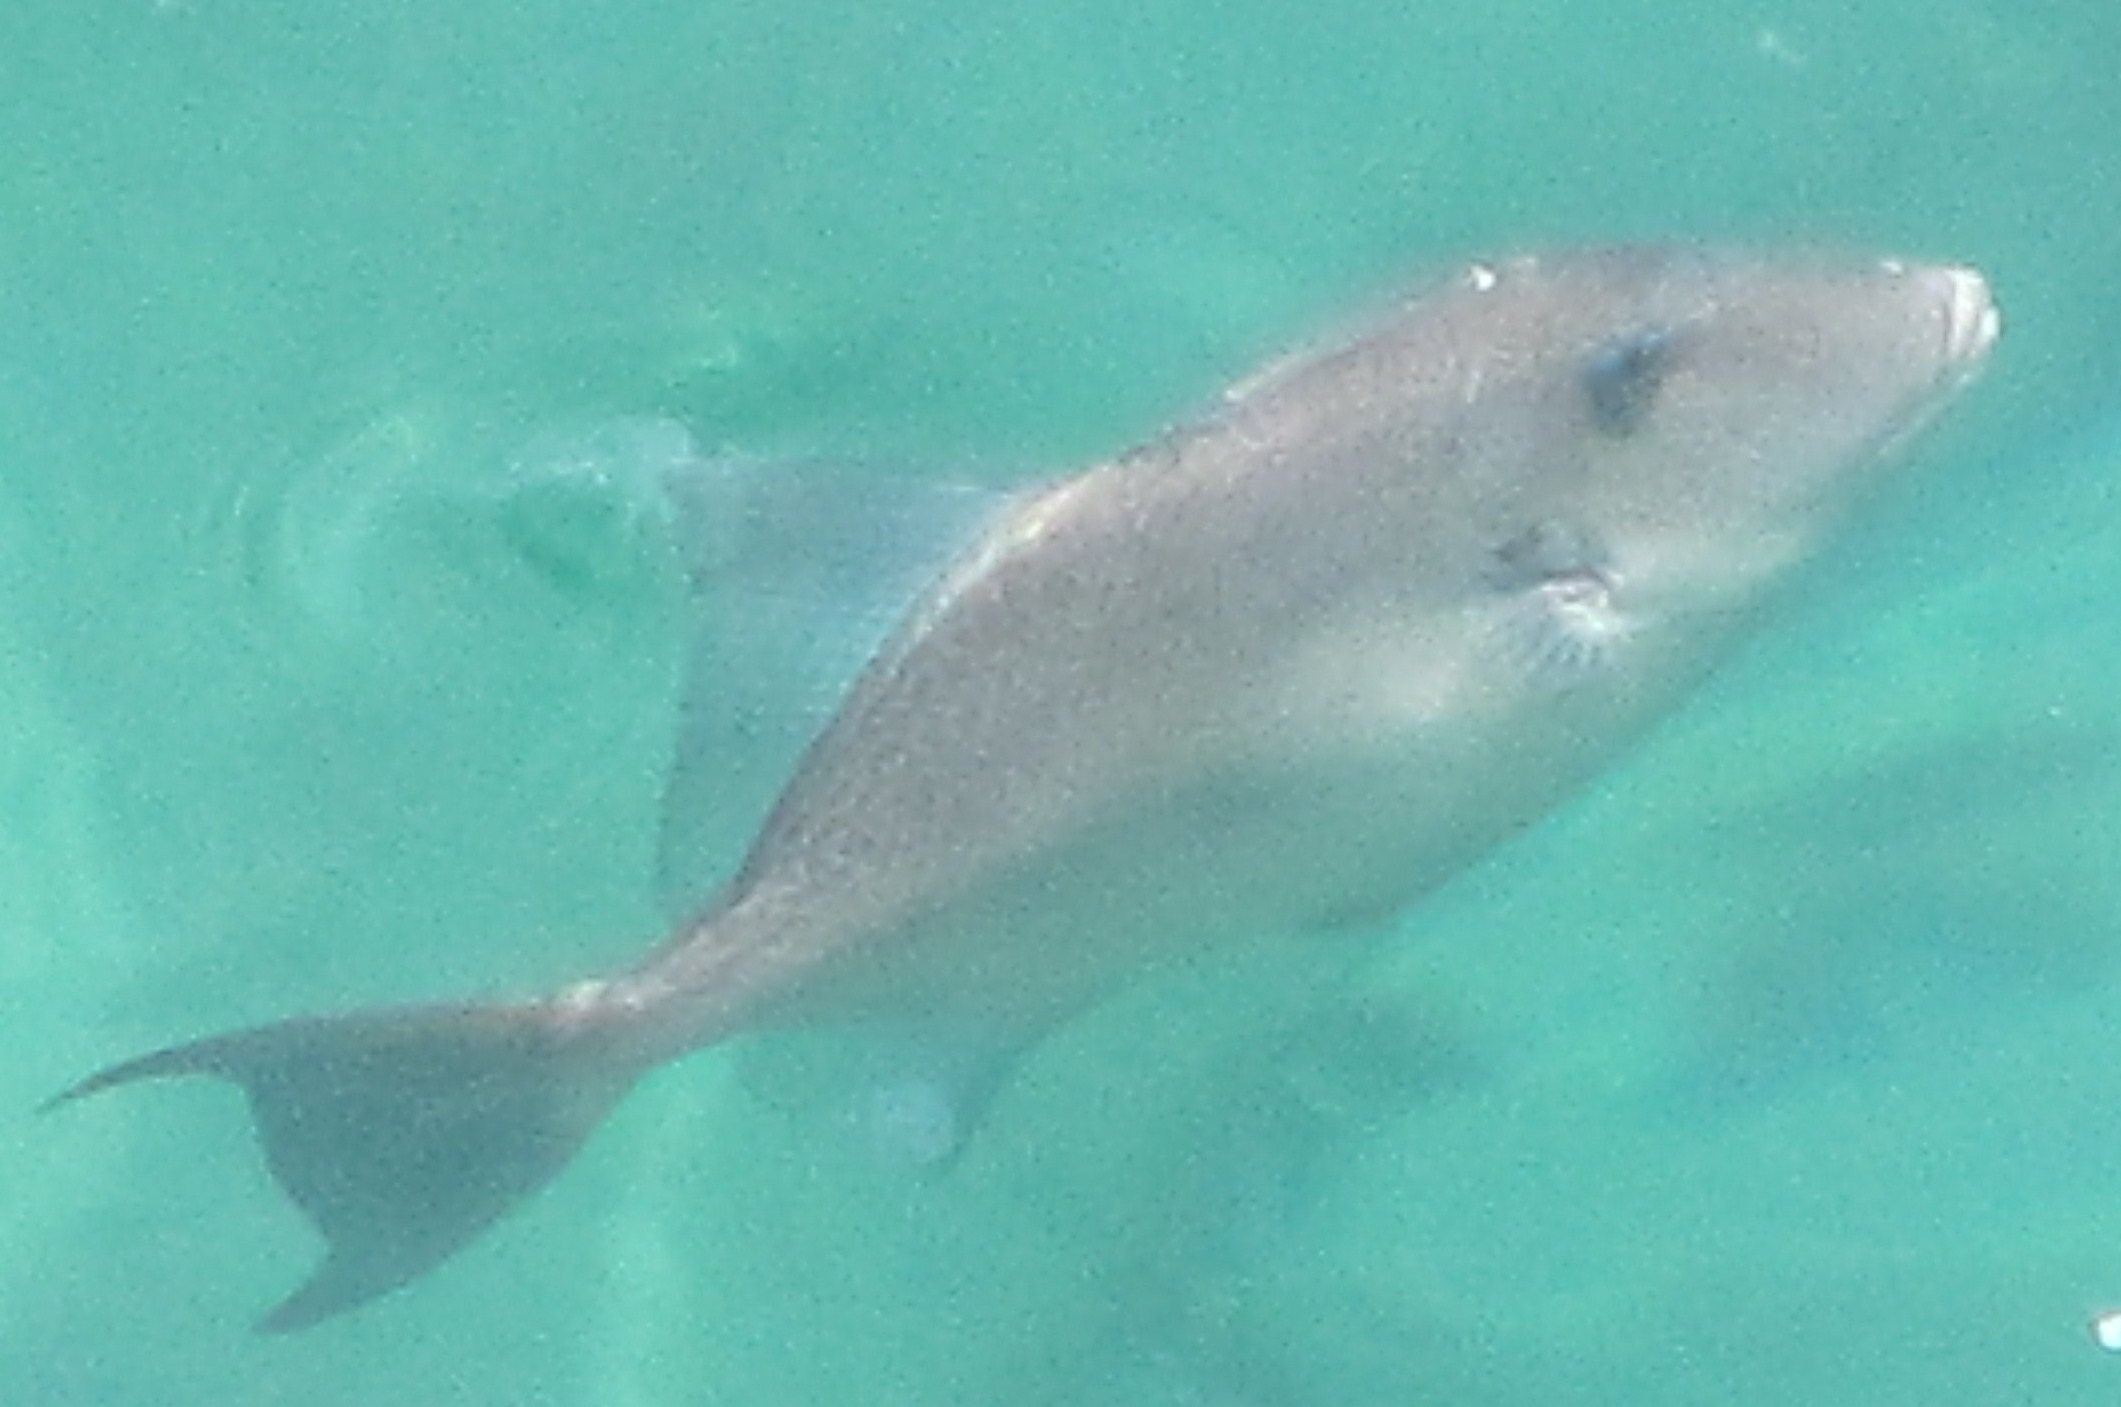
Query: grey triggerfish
x=1286, y=667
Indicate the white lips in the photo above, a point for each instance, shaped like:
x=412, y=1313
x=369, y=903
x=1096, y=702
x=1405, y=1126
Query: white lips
x=1971, y=320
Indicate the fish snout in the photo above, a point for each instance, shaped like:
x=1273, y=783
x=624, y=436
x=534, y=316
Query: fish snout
x=1971, y=318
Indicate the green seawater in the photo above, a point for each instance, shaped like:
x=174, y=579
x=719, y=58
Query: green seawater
x=1780, y=1068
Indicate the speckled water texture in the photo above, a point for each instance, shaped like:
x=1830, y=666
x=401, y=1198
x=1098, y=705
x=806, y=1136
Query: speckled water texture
x=339, y=668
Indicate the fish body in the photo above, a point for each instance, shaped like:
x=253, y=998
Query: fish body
x=1298, y=662
x=1284, y=668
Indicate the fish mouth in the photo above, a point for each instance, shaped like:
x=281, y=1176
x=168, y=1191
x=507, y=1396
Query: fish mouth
x=1969, y=322
x=1971, y=319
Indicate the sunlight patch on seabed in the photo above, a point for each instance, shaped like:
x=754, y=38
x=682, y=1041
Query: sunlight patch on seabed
x=645, y=1296
x=67, y=938
x=63, y=926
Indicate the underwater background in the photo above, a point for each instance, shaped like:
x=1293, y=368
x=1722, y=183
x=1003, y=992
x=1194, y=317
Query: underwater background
x=339, y=645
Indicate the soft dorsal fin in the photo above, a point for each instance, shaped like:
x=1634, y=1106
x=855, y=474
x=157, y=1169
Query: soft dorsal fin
x=797, y=570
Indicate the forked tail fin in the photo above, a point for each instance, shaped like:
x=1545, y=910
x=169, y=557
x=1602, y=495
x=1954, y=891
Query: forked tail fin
x=400, y=1132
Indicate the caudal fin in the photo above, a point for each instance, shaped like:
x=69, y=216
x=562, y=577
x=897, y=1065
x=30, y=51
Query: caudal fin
x=401, y=1133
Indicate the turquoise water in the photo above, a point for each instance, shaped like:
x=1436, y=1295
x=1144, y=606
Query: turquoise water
x=1776, y=1069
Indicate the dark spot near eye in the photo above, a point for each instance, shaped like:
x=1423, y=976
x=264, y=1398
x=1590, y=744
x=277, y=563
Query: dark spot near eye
x=1622, y=379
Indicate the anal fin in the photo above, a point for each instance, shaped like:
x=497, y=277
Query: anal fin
x=914, y=1096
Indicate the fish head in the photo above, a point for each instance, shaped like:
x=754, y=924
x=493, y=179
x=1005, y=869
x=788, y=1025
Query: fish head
x=1651, y=436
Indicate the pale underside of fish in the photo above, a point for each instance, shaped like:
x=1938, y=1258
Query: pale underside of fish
x=1284, y=668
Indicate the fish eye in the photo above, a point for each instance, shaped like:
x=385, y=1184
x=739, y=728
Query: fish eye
x=1622, y=379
